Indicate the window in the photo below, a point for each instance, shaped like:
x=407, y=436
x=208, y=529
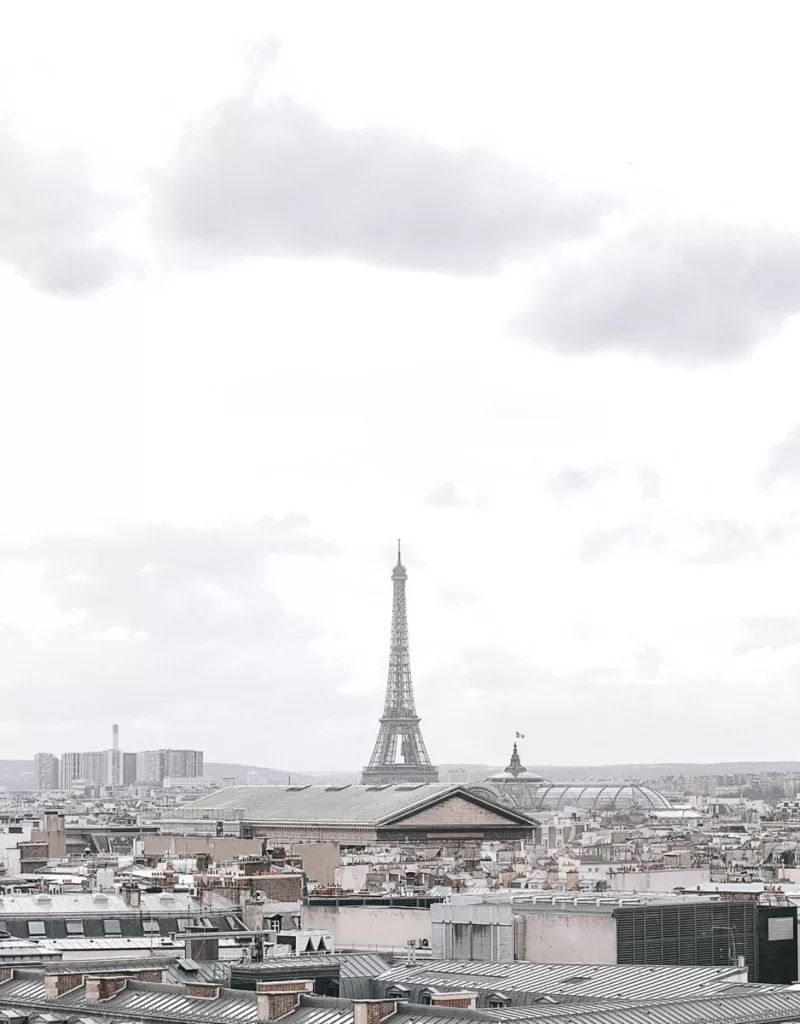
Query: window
x=36, y=928
x=151, y=928
x=206, y=923
x=181, y=925
x=112, y=927
x=74, y=927
x=231, y=923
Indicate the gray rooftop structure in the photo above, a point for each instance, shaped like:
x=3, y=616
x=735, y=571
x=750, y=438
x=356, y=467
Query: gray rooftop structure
x=526, y=983
x=26, y=998
x=359, y=812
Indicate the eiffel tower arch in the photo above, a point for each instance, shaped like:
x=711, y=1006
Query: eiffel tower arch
x=399, y=754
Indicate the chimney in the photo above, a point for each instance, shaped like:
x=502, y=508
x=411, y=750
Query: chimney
x=6, y=974
x=459, y=1000
x=155, y=974
x=200, y=990
x=132, y=896
x=56, y=985
x=102, y=988
x=277, y=998
x=373, y=1011
x=169, y=877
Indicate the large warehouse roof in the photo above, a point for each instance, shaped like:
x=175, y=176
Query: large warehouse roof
x=333, y=805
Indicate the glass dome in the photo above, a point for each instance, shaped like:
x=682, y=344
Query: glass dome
x=547, y=796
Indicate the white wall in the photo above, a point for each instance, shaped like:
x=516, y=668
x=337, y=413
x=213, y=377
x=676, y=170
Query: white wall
x=663, y=880
x=9, y=855
x=352, y=877
x=370, y=927
x=553, y=937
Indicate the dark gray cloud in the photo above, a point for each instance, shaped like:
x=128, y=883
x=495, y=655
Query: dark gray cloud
x=684, y=293
x=272, y=178
x=51, y=219
x=784, y=459
x=769, y=633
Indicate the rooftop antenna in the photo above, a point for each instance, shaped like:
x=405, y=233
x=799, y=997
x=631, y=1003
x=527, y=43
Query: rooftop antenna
x=398, y=550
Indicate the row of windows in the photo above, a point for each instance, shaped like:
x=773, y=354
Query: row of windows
x=112, y=926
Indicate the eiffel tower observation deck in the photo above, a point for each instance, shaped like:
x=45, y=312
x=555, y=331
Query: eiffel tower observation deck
x=399, y=754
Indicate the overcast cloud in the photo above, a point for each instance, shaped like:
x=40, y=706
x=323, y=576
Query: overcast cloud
x=52, y=219
x=517, y=294
x=272, y=178
x=685, y=293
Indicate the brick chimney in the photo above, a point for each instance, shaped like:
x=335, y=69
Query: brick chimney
x=277, y=998
x=56, y=985
x=373, y=1011
x=100, y=989
x=201, y=990
x=460, y=1000
x=6, y=974
x=156, y=974
x=132, y=896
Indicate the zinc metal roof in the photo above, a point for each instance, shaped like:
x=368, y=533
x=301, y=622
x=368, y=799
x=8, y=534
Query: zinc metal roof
x=137, y=999
x=333, y=805
x=773, y=1005
x=177, y=969
x=565, y=981
x=351, y=965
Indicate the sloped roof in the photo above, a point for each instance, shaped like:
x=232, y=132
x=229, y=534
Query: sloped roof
x=331, y=805
x=571, y=981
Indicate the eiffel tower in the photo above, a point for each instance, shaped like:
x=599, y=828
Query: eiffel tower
x=400, y=721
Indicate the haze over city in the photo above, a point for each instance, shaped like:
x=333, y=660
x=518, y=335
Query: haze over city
x=283, y=282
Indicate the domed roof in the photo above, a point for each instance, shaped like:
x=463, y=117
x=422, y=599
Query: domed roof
x=515, y=771
x=547, y=796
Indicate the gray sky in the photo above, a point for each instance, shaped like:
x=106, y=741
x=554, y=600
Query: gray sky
x=518, y=282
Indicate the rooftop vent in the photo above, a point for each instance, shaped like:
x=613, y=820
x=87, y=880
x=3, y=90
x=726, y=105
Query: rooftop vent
x=408, y=789
x=43, y=898
x=297, y=789
x=100, y=897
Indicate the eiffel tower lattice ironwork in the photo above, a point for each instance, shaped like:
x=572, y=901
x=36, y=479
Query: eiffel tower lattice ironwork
x=399, y=732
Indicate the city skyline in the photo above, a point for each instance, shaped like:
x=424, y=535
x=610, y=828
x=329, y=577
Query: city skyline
x=532, y=307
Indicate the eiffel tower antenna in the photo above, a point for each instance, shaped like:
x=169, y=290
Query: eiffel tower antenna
x=399, y=732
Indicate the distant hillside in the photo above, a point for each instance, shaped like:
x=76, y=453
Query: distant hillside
x=17, y=774
x=576, y=773
x=247, y=774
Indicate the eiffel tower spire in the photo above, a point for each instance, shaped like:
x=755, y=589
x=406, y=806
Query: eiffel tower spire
x=399, y=732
